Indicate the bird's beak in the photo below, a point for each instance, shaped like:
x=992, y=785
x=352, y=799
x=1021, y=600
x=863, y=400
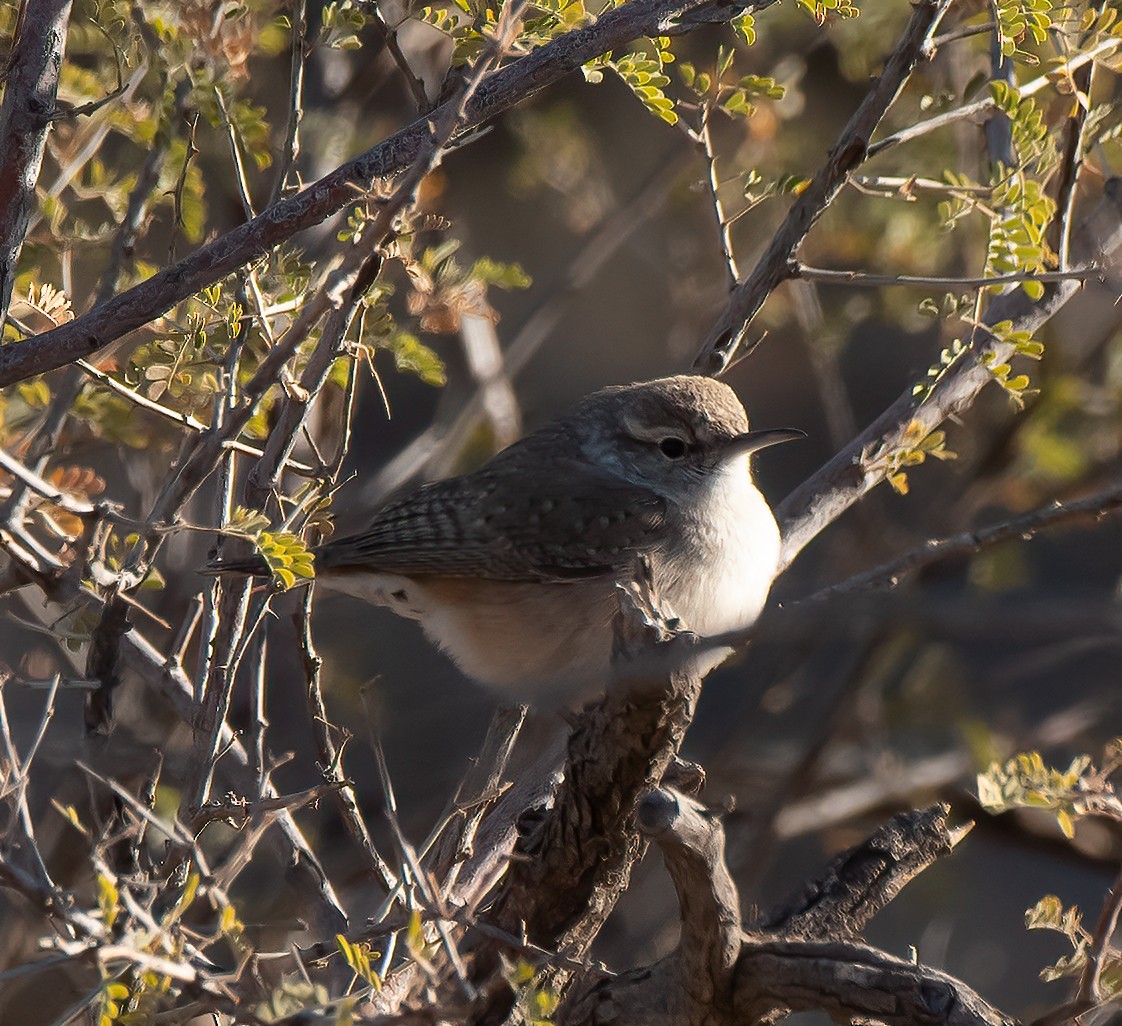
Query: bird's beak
x=753, y=441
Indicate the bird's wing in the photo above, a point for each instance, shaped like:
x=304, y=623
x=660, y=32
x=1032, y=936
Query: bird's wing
x=571, y=524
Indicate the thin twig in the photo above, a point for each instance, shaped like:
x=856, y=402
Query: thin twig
x=239, y=813
x=1024, y=526
x=259, y=721
x=724, y=225
x=69, y=503
x=191, y=151
x=1090, y=989
x=331, y=757
x=899, y=186
x=1071, y=166
x=861, y=278
x=183, y=419
x=964, y=32
x=19, y=771
x=290, y=151
x=209, y=263
x=724, y=341
x=416, y=86
x=477, y=790
x=423, y=881
x=979, y=109
x=240, y=177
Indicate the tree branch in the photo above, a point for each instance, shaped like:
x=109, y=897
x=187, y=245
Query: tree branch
x=799, y=957
x=844, y=479
x=500, y=91
x=724, y=341
x=573, y=862
x=30, y=91
x=856, y=884
x=853, y=982
x=1023, y=526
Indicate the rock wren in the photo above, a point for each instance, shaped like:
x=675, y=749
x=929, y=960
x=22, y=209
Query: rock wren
x=512, y=569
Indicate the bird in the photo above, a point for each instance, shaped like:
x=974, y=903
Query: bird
x=513, y=569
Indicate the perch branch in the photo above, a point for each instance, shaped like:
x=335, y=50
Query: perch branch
x=577, y=861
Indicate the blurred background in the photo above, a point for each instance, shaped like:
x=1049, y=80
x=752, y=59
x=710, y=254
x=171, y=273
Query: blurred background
x=832, y=720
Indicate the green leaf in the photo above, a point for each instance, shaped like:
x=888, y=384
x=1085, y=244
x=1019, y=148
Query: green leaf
x=411, y=356
x=287, y=557
x=1046, y=914
x=503, y=276
x=744, y=25
x=107, y=899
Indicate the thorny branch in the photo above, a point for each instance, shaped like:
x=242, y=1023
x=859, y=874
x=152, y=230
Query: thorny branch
x=723, y=343
x=213, y=261
x=823, y=497
x=290, y=151
x=30, y=92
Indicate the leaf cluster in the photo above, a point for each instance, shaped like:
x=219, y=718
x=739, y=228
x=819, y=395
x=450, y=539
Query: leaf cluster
x=1016, y=386
x=1036, y=150
x=1050, y=914
x=1071, y=795
x=443, y=290
x=820, y=10
x=360, y=957
x=536, y=1002
x=1018, y=19
x=341, y=25
x=136, y=995
x=757, y=188
x=471, y=24
x=288, y=557
x=643, y=71
x=892, y=461
x=114, y=552
x=1025, y=781
x=734, y=100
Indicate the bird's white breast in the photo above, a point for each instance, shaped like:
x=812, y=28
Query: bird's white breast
x=719, y=576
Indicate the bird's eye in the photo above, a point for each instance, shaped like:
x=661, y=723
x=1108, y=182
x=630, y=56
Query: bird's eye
x=672, y=448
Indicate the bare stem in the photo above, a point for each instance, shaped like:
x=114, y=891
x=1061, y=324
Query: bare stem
x=725, y=340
